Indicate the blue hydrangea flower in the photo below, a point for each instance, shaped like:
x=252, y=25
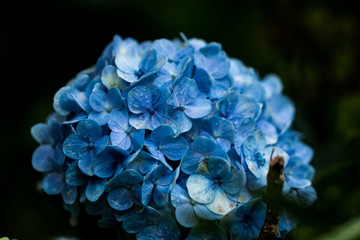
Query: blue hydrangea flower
x=148, y=107
x=185, y=103
x=157, y=185
x=94, y=186
x=221, y=131
x=142, y=162
x=188, y=211
x=110, y=161
x=132, y=67
x=124, y=190
x=236, y=107
x=245, y=221
x=172, y=133
x=122, y=134
x=151, y=224
x=203, y=149
x=85, y=144
x=216, y=185
x=163, y=143
x=103, y=104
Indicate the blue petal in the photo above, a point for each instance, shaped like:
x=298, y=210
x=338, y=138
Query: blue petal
x=74, y=176
x=53, y=183
x=198, y=108
x=74, y=147
x=269, y=131
x=108, y=160
x=137, y=138
x=101, y=118
x=272, y=85
x=161, y=194
x=165, y=47
x=141, y=121
x=69, y=194
x=175, y=149
x=86, y=164
x=99, y=100
x=120, y=199
x=282, y=112
x=41, y=158
x=218, y=167
x=115, y=99
x=89, y=129
x=101, y=144
x=179, y=196
x=203, y=212
x=236, y=107
x=200, y=188
x=109, y=77
x=203, y=79
x=186, y=216
x=120, y=139
x=95, y=188
x=41, y=134
x=127, y=66
x=234, y=181
x=146, y=192
x=307, y=195
x=118, y=121
x=141, y=161
x=139, y=100
x=221, y=204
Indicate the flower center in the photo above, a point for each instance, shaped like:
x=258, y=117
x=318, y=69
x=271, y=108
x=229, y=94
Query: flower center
x=260, y=160
x=182, y=107
x=128, y=131
x=192, y=138
x=170, y=60
x=151, y=111
x=216, y=136
x=150, y=222
x=192, y=202
x=160, y=148
x=139, y=73
x=217, y=181
x=91, y=145
x=128, y=186
x=108, y=109
x=173, y=76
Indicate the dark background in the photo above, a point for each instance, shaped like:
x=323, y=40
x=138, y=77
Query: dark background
x=311, y=45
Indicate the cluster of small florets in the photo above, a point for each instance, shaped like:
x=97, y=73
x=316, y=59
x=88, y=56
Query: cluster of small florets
x=172, y=135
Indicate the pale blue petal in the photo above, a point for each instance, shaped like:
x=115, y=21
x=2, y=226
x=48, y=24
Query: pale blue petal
x=179, y=196
x=98, y=100
x=203, y=212
x=140, y=121
x=118, y=121
x=121, y=140
x=186, y=216
x=161, y=194
x=198, y=108
x=101, y=118
x=269, y=131
x=139, y=99
x=200, y=188
x=221, y=204
x=115, y=99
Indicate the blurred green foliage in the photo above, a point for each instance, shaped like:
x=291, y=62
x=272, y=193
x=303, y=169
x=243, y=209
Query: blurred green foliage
x=311, y=45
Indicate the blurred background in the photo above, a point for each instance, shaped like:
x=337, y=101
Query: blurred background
x=311, y=45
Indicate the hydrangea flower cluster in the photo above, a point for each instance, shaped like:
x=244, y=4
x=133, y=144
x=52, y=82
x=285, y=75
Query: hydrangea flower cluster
x=171, y=138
